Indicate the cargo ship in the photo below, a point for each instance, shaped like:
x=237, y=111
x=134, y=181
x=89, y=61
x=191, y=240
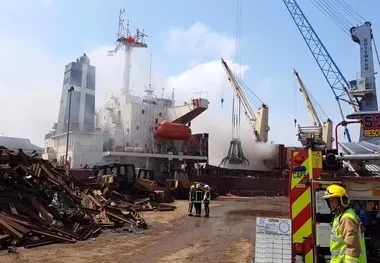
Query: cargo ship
x=149, y=131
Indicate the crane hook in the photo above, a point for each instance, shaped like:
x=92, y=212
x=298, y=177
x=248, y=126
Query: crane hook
x=295, y=123
x=222, y=100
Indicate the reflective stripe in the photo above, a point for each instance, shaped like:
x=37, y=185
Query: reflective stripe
x=336, y=239
x=198, y=196
x=338, y=252
x=348, y=259
x=191, y=196
x=337, y=244
x=207, y=196
x=342, y=251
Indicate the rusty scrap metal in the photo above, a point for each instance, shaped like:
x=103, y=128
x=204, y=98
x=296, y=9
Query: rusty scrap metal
x=40, y=204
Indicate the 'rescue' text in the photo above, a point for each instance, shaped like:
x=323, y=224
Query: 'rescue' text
x=371, y=133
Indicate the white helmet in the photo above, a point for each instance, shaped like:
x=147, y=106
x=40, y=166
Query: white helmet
x=207, y=187
x=198, y=185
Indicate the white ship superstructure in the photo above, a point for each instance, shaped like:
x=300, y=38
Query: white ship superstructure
x=148, y=131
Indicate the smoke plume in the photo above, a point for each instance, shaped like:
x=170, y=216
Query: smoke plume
x=220, y=135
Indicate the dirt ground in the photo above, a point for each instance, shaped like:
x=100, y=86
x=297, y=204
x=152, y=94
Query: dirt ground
x=226, y=237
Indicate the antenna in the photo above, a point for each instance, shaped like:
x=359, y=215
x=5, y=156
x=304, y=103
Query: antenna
x=150, y=70
x=127, y=42
x=149, y=90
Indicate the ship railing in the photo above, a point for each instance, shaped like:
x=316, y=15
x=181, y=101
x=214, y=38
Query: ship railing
x=197, y=98
x=200, y=95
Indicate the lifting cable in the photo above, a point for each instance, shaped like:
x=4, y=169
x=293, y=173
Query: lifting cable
x=236, y=107
x=251, y=96
x=322, y=116
x=340, y=13
x=335, y=10
x=377, y=53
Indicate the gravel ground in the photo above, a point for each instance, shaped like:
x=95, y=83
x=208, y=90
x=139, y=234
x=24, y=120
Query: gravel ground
x=226, y=237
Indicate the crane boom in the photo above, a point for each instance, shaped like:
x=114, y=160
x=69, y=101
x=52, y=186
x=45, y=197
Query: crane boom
x=322, y=130
x=309, y=104
x=257, y=121
x=330, y=70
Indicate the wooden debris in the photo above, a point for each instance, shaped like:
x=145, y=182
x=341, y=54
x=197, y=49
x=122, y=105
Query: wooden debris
x=40, y=204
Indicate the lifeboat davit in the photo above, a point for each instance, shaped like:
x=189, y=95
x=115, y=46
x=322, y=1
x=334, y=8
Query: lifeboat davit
x=172, y=131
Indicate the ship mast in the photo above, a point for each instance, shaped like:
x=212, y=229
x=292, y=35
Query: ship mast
x=127, y=42
x=149, y=89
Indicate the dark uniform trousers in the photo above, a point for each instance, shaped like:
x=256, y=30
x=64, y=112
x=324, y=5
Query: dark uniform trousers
x=198, y=194
x=191, y=202
x=207, y=203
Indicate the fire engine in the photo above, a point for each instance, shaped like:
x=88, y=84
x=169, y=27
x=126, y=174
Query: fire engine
x=355, y=165
x=313, y=169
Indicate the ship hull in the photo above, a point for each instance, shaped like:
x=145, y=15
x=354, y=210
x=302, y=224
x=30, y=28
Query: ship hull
x=243, y=182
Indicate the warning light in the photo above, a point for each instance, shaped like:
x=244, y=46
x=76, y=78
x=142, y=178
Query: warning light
x=298, y=159
x=298, y=249
x=299, y=169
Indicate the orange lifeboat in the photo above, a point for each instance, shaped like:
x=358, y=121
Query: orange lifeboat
x=172, y=131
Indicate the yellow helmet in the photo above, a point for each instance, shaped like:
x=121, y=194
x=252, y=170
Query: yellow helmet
x=337, y=191
x=192, y=187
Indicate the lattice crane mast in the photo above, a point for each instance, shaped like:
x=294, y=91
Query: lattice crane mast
x=321, y=132
x=258, y=121
x=330, y=70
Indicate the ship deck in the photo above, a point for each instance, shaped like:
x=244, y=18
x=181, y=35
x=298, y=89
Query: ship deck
x=154, y=155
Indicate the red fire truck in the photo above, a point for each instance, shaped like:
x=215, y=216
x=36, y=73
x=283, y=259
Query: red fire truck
x=312, y=170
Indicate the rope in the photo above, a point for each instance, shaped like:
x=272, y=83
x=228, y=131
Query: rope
x=377, y=54
x=237, y=54
x=340, y=13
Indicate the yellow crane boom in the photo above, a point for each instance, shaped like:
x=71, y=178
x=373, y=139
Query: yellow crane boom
x=257, y=120
x=322, y=130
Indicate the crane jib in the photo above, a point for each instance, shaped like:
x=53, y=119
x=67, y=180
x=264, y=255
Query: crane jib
x=327, y=65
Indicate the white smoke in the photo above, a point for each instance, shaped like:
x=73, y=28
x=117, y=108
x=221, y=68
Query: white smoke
x=220, y=135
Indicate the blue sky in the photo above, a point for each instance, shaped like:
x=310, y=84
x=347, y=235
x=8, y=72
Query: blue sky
x=272, y=44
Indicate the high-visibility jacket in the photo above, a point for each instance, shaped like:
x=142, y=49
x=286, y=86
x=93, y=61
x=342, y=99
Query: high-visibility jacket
x=198, y=196
x=191, y=196
x=207, y=196
x=347, y=243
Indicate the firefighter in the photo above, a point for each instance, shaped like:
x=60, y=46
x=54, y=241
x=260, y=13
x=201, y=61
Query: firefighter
x=198, y=197
x=207, y=200
x=347, y=239
x=191, y=200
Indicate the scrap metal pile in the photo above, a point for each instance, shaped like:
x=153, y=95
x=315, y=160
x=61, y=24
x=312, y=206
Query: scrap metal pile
x=40, y=204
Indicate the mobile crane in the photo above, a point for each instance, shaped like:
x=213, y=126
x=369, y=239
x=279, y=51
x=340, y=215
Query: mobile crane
x=258, y=121
x=322, y=129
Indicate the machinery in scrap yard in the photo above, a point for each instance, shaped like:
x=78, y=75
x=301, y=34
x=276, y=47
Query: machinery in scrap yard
x=322, y=129
x=357, y=167
x=258, y=121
